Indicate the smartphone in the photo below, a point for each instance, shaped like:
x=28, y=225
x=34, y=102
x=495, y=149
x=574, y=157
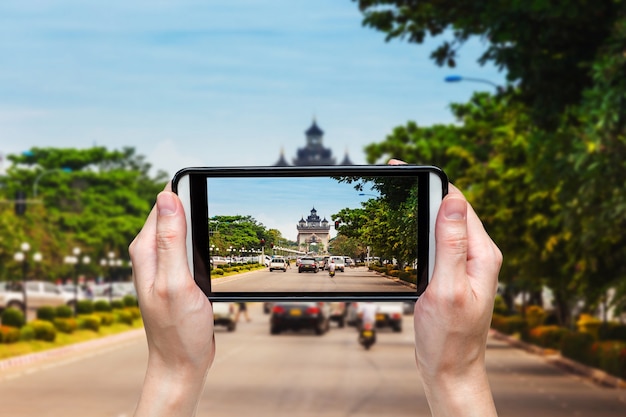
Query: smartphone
x=372, y=216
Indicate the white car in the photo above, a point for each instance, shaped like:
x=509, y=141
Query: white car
x=340, y=264
x=38, y=294
x=278, y=263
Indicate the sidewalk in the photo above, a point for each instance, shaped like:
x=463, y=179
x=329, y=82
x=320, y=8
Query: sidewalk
x=554, y=357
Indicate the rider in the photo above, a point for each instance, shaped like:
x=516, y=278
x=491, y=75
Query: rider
x=367, y=314
x=331, y=267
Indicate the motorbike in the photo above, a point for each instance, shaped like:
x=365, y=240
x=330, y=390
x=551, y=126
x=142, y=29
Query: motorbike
x=367, y=335
x=331, y=273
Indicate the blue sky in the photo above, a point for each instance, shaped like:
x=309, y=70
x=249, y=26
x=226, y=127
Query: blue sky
x=199, y=83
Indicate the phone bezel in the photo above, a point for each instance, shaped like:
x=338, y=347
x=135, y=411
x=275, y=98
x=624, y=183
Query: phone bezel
x=190, y=185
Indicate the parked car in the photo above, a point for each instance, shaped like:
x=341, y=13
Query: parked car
x=224, y=315
x=308, y=265
x=38, y=294
x=278, y=263
x=300, y=316
x=338, y=312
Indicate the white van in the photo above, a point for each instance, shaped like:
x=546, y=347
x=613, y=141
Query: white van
x=340, y=264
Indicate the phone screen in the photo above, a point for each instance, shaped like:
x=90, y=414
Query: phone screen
x=373, y=226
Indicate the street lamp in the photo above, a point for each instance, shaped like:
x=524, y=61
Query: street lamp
x=458, y=78
x=21, y=257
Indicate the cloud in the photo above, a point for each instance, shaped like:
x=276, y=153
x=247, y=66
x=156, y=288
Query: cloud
x=170, y=157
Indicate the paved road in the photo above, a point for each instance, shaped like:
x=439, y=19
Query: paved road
x=297, y=375
x=352, y=280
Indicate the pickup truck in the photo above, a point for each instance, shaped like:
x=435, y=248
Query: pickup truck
x=38, y=294
x=278, y=263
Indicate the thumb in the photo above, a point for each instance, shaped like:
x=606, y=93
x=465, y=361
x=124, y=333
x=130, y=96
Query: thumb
x=171, y=232
x=451, y=241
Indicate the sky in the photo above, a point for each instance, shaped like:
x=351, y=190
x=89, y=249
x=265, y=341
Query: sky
x=214, y=83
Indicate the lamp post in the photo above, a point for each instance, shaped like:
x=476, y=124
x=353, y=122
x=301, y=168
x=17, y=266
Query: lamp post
x=21, y=257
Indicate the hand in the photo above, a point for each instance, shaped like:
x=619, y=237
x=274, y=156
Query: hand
x=453, y=315
x=177, y=315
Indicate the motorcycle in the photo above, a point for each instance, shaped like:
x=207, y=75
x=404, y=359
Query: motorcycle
x=367, y=335
x=331, y=273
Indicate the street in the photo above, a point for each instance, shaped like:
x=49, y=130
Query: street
x=297, y=374
x=353, y=280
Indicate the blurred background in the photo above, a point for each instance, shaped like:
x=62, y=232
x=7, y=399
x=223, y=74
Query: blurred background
x=523, y=105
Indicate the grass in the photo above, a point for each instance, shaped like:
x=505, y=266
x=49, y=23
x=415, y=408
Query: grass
x=64, y=339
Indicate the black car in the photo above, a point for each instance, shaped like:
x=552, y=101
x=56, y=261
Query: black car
x=308, y=265
x=300, y=316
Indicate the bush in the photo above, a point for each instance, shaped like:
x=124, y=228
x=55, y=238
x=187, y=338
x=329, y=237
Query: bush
x=123, y=316
x=115, y=304
x=84, y=307
x=106, y=318
x=610, y=356
x=134, y=312
x=589, y=324
x=577, y=346
x=217, y=271
x=130, y=301
x=64, y=312
x=102, y=305
x=89, y=322
x=46, y=313
x=44, y=330
x=13, y=317
x=65, y=325
x=612, y=331
x=9, y=334
x=535, y=316
x=499, y=306
x=27, y=333
x=509, y=325
x=546, y=336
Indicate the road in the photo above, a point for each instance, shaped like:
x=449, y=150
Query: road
x=353, y=280
x=297, y=375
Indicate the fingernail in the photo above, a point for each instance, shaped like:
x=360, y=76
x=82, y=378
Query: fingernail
x=166, y=205
x=455, y=209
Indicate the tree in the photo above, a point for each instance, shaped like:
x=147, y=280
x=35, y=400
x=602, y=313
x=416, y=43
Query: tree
x=546, y=48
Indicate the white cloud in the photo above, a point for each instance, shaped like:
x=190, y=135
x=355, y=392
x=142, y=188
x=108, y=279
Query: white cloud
x=167, y=155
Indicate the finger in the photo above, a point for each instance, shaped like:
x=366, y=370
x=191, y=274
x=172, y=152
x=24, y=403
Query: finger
x=451, y=240
x=171, y=232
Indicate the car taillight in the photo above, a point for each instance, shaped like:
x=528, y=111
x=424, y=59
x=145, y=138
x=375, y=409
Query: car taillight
x=278, y=309
x=396, y=316
x=313, y=310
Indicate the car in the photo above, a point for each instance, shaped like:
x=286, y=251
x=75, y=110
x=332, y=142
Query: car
x=320, y=262
x=224, y=315
x=300, y=315
x=38, y=294
x=338, y=312
x=278, y=263
x=308, y=265
x=339, y=261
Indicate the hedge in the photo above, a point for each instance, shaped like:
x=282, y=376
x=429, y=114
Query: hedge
x=13, y=317
x=9, y=334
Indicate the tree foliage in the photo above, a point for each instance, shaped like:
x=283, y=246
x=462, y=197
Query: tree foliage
x=94, y=199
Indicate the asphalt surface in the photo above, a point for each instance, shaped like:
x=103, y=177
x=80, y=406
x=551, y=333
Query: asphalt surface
x=293, y=374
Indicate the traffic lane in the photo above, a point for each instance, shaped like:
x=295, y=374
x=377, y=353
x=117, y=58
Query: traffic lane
x=352, y=280
x=302, y=374
x=522, y=381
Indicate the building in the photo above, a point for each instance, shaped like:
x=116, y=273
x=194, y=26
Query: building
x=313, y=231
x=314, y=152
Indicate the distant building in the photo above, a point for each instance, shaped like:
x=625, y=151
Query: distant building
x=313, y=231
x=314, y=152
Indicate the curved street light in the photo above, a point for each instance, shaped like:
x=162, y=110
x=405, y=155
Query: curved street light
x=36, y=183
x=459, y=78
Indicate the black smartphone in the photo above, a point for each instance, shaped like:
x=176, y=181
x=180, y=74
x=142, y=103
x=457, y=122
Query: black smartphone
x=289, y=222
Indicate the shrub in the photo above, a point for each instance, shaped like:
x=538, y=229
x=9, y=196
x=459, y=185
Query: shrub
x=84, y=307
x=123, y=316
x=46, y=313
x=102, y=305
x=44, y=330
x=546, y=336
x=65, y=325
x=589, y=324
x=130, y=301
x=577, y=346
x=612, y=331
x=509, y=325
x=106, y=318
x=27, y=333
x=499, y=306
x=217, y=271
x=89, y=322
x=535, y=316
x=610, y=356
x=64, y=312
x=9, y=334
x=13, y=317
x=134, y=312
x=115, y=304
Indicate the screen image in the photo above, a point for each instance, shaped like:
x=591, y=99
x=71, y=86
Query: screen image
x=295, y=226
